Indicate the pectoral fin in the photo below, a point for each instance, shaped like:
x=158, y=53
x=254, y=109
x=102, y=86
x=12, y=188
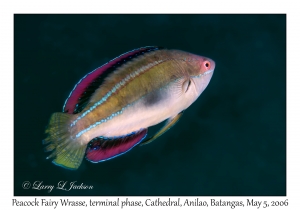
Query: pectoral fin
x=166, y=127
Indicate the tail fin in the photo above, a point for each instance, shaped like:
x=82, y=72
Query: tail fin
x=67, y=153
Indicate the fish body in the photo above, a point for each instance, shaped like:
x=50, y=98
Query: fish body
x=143, y=88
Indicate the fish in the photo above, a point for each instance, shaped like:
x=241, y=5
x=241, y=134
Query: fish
x=110, y=110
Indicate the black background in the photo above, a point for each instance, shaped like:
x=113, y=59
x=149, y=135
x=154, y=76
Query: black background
x=231, y=141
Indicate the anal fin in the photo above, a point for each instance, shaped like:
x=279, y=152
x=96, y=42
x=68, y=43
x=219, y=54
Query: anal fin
x=165, y=128
x=101, y=149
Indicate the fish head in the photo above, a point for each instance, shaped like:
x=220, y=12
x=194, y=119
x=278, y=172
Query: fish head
x=200, y=73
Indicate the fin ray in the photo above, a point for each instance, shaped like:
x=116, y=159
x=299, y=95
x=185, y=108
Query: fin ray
x=65, y=151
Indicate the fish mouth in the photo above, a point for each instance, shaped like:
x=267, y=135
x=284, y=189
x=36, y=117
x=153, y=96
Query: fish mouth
x=205, y=73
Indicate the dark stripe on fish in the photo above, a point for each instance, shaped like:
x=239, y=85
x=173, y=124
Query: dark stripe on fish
x=79, y=97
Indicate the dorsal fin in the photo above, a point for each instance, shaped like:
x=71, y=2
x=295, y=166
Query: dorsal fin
x=101, y=149
x=85, y=88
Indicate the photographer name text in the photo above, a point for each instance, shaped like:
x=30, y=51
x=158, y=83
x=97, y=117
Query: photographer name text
x=61, y=185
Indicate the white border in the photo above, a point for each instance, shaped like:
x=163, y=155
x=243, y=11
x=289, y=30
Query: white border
x=8, y=8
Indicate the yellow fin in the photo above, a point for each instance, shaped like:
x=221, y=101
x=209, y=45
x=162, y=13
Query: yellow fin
x=67, y=153
x=167, y=126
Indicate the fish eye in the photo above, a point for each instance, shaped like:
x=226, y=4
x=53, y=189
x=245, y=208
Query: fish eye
x=206, y=64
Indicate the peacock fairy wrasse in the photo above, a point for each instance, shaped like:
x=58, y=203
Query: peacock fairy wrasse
x=111, y=108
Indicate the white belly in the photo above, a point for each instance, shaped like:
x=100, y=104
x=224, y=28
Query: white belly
x=141, y=114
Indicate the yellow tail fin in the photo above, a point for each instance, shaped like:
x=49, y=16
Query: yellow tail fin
x=67, y=152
